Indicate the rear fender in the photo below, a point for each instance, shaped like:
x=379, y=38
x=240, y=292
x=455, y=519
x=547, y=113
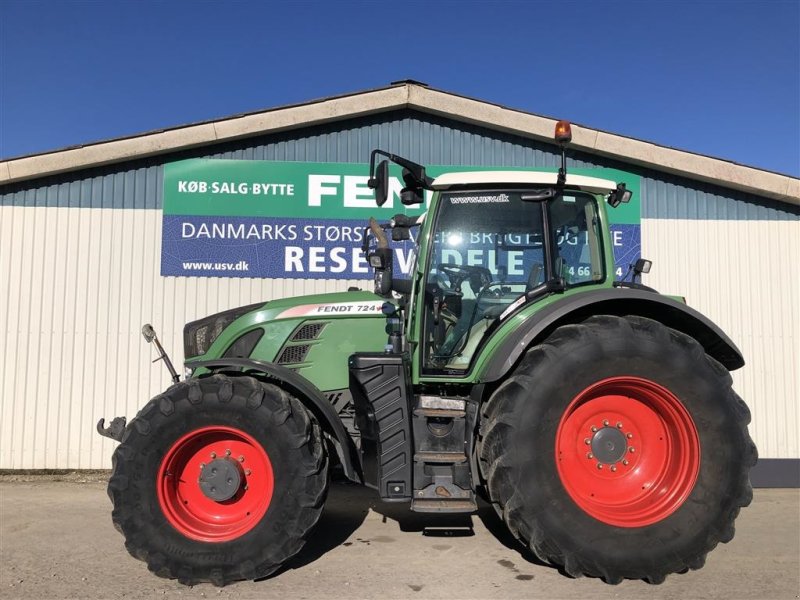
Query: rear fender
x=616, y=301
x=305, y=391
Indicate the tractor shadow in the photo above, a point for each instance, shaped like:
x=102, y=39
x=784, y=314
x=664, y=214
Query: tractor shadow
x=347, y=507
x=495, y=525
x=456, y=525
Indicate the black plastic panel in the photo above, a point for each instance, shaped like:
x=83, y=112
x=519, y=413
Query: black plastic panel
x=379, y=384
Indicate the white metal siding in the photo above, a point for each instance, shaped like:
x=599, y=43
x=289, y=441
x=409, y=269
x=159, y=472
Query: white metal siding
x=77, y=285
x=745, y=276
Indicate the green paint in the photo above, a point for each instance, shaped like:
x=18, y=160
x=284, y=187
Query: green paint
x=326, y=362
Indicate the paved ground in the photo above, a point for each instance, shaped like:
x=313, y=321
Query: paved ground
x=56, y=541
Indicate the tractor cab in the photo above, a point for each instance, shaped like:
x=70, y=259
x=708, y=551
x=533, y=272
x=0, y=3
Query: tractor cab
x=490, y=243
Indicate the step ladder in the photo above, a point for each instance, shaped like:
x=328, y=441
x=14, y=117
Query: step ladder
x=440, y=460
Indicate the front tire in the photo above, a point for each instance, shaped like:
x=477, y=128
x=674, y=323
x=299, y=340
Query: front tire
x=218, y=479
x=618, y=449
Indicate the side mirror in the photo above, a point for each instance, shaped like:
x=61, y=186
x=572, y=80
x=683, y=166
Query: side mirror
x=148, y=333
x=621, y=195
x=380, y=183
x=642, y=265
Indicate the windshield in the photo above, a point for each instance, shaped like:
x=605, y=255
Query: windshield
x=488, y=252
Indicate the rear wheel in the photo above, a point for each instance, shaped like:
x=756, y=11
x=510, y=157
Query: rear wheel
x=218, y=479
x=618, y=449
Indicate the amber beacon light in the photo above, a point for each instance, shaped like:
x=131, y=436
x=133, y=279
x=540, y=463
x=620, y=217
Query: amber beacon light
x=563, y=132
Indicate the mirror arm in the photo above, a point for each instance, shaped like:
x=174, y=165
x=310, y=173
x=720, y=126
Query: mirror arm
x=417, y=170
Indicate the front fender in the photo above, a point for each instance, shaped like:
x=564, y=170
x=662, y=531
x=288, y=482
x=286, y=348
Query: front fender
x=615, y=301
x=307, y=393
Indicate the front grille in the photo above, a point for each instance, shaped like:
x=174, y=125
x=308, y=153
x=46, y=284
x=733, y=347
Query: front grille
x=293, y=354
x=309, y=331
x=199, y=335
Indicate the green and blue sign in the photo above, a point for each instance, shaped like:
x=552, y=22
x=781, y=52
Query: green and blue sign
x=244, y=218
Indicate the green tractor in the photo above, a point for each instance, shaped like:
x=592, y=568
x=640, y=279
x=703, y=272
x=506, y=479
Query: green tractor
x=596, y=416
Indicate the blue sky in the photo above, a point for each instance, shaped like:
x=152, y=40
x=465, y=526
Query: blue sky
x=719, y=78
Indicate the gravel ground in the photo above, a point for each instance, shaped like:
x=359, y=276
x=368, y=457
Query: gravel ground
x=57, y=541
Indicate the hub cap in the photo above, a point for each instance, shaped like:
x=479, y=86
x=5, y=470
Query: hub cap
x=215, y=484
x=627, y=451
x=608, y=445
x=220, y=480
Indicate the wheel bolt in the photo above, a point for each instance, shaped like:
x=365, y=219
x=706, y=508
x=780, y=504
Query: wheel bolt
x=589, y=455
x=599, y=465
x=605, y=423
x=631, y=450
x=619, y=425
x=202, y=465
x=625, y=462
x=241, y=459
x=594, y=429
x=247, y=471
x=613, y=467
x=227, y=452
x=213, y=455
x=587, y=441
x=629, y=435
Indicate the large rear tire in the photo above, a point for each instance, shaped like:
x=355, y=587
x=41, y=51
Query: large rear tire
x=618, y=449
x=218, y=479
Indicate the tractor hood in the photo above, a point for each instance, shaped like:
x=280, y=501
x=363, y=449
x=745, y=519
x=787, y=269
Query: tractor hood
x=236, y=332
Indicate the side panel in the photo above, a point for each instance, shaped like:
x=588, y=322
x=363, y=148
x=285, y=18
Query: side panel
x=324, y=361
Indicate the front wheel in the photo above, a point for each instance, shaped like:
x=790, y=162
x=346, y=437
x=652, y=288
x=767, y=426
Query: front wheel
x=618, y=449
x=218, y=479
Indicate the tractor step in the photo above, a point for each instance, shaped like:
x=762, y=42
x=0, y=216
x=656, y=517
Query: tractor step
x=444, y=413
x=444, y=506
x=440, y=457
x=442, y=402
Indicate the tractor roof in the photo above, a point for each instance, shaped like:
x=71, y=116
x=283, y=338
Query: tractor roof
x=524, y=178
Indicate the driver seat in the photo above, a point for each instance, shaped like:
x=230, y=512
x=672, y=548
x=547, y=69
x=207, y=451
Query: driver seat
x=533, y=277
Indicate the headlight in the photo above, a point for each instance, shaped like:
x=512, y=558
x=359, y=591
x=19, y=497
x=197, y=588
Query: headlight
x=199, y=335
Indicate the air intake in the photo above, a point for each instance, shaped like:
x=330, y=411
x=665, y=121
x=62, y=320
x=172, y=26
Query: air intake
x=293, y=354
x=309, y=331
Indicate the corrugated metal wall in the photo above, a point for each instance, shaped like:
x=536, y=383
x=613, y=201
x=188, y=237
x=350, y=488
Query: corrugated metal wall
x=80, y=257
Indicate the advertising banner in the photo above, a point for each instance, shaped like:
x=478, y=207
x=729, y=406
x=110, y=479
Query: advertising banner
x=245, y=218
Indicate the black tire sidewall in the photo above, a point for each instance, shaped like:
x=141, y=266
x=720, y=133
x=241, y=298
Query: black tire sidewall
x=579, y=359
x=280, y=427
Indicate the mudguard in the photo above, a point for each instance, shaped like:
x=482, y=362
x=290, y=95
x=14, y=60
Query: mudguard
x=308, y=394
x=615, y=301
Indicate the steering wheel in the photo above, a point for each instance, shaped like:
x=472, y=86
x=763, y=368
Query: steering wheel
x=477, y=277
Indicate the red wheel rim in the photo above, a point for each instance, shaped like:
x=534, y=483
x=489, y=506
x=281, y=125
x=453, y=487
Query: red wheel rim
x=191, y=511
x=627, y=452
